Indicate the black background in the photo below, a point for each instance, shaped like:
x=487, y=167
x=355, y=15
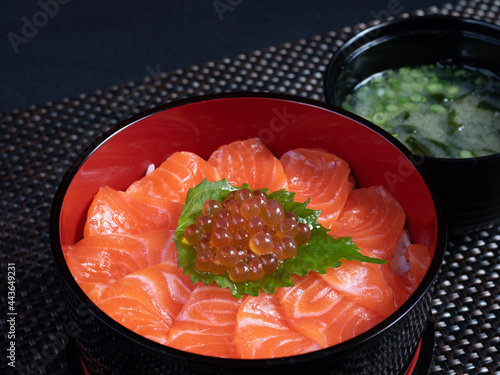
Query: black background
x=51, y=49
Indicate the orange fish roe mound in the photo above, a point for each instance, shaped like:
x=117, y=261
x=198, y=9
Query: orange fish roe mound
x=246, y=235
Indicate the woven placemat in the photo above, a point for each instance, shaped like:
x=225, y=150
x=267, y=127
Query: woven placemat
x=38, y=144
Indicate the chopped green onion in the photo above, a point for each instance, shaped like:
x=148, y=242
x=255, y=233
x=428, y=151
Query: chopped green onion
x=379, y=118
x=406, y=87
x=438, y=108
x=404, y=71
x=453, y=90
x=415, y=73
x=390, y=94
x=466, y=154
x=392, y=108
x=434, y=87
x=422, y=80
x=416, y=98
x=409, y=106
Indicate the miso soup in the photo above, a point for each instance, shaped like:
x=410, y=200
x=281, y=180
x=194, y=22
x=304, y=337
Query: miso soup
x=443, y=111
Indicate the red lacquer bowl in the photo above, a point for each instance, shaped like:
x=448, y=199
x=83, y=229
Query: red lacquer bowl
x=201, y=125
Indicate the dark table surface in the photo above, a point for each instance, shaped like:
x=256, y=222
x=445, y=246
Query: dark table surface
x=71, y=69
x=52, y=49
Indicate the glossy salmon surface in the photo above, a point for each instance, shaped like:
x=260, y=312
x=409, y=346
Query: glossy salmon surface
x=249, y=162
x=374, y=220
x=206, y=323
x=116, y=212
x=147, y=301
x=311, y=174
x=174, y=177
x=97, y=261
x=315, y=309
x=263, y=331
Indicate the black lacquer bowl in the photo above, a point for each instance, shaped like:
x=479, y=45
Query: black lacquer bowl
x=469, y=188
x=201, y=125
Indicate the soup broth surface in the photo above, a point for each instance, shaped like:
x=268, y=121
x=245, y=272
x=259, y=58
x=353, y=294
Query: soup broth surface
x=435, y=110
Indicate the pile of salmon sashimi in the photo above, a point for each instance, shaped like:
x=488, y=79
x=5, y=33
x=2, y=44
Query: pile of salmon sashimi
x=127, y=260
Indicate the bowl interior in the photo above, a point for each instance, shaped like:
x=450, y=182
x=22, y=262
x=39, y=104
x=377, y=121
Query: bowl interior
x=203, y=126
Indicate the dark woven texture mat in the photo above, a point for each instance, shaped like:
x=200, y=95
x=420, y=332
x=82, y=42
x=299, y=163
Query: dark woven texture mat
x=38, y=144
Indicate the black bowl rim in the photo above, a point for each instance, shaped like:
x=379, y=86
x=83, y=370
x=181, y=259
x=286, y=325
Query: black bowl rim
x=339, y=350
x=416, y=21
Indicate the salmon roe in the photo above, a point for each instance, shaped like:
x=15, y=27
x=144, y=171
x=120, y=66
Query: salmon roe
x=246, y=235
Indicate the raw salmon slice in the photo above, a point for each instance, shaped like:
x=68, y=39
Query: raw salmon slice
x=250, y=162
x=373, y=286
x=262, y=331
x=116, y=212
x=96, y=262
x=374, y=220
x=315, y=309
x=161, y=246
x=148, y=301
x=419, y=258
x=174, y=177
x=206, y=323
x=320, y=176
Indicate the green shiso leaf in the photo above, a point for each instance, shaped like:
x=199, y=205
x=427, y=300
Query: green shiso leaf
x=322, y=252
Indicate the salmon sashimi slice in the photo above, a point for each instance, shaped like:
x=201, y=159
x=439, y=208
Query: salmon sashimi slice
x=320, y=176
x=374, y=220
x=116, y=212
x=96, y=262
x=249, y=162
x=148, y=300
x=174, y=177
x=373, y=286
x=419, y=258
x=161, y=246
x=206, y=323
x=262, y=330
x=315, y=309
